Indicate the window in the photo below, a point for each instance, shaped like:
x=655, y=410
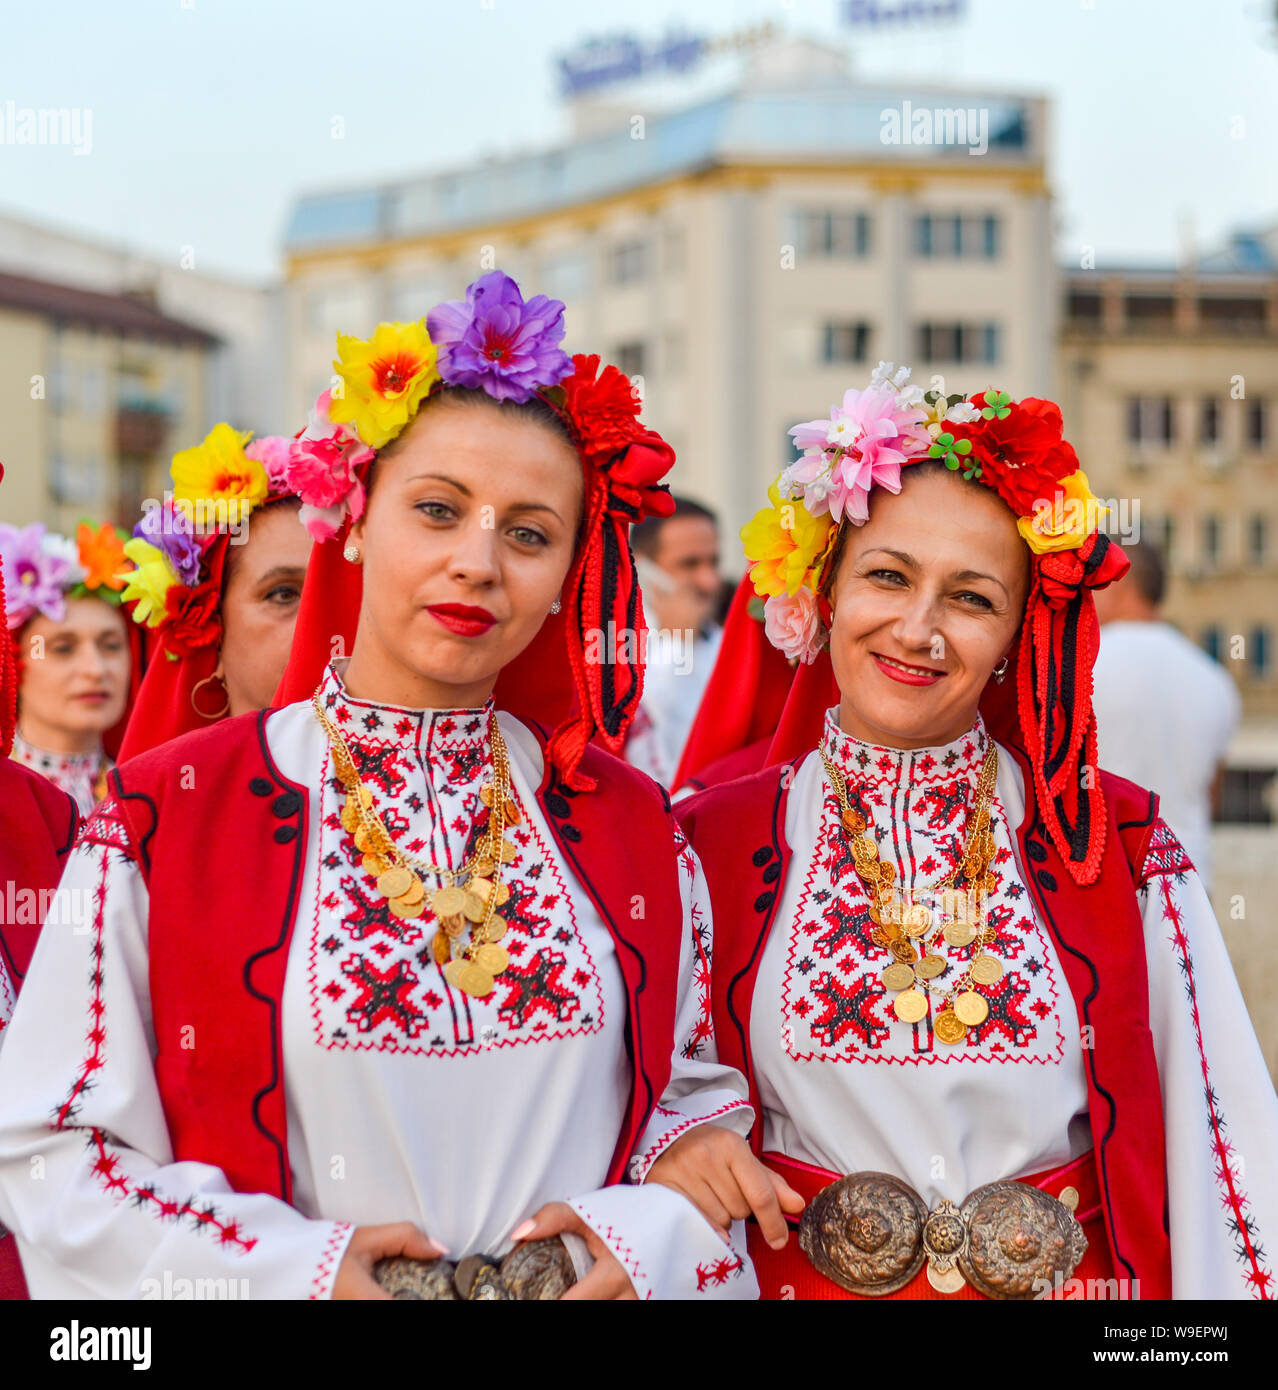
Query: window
x=339, y=308
x=1258, y=539
x=565, y=275
x=629, y=358
x=1261, y=655
x=1209, y=422
x=1241, y=315
x=831, y=233
x=1165, y=535
x=1149, y=311
x=1150, y=420
x=628, y=262
x=1211, y=540
x=958, y=342
x=1213, y=642
x=845, y=342
x=1257, y=424
x=970, y=236
x=1083, y=308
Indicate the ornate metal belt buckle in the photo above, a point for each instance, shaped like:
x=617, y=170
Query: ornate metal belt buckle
x=871, y=1233
x=1018, y=1235
x=536, y=1271
x=865, y=1232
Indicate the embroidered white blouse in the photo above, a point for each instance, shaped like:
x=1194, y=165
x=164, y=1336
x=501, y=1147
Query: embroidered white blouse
x=406, y=1100
x=847, y=1086
x=77, y=774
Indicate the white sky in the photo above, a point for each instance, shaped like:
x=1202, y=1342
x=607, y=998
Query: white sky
x=209, y=115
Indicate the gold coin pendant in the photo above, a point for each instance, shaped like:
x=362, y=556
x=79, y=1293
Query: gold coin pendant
x=910, y=1006
x=971, y=1008
x=898, y=976
x=987, y=970
x=948, y=1027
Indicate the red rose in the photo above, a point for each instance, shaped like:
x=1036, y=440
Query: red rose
x=604, y=411
x=191, y=619
x=1023, y=457
x=634, y=477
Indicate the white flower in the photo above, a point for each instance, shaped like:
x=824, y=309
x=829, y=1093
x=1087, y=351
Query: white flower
x=65, y=549
x=962, y=413
x=889, y=374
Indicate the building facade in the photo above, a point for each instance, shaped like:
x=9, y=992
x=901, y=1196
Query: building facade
x=96, y=393
x=1169, y=381
x=745, y=259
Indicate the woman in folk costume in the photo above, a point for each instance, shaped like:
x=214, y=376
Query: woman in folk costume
x=386, y=972
x=38, y=822
x=70, y=643
x=976, y=986
x=219, y=568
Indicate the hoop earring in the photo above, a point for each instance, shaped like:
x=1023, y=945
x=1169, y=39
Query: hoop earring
x=204, y=714
x=351, y=553
x=556, y=606
x=1000, y=671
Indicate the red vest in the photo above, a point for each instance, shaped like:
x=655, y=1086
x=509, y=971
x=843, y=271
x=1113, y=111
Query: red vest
x=738, y=832
x=220, y=836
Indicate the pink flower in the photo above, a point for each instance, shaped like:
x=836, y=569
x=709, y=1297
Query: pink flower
x=862, y=445
x=322, y=470
x=273, y=452
x=793, y=625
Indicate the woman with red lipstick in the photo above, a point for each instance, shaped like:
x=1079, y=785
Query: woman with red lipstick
x=974, y=983
x=71, y=643
x=412, y=966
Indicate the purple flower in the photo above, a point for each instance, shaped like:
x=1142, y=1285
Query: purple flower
x=37, y=572
x=169, y=529
x=497, y=343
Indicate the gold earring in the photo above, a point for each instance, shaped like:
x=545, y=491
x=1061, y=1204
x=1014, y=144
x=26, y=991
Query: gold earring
x=1000, y=671
x=205, y=714
x=351, y=553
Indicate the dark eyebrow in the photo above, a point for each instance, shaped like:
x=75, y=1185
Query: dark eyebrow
x=466, y=492
x=961, y=577
x=283, y=572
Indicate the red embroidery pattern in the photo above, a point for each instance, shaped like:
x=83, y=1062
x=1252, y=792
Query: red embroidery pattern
x=200, y=1216
x=719, y=1272
x=322, y=1281
x=95, y=1034
x=702, y=1031
x=653, y=1152
x=106, y=827
x=1242, y=1224
x=1166, y=855
x=627, y=1257
x=372, y=977
x=834, y=1006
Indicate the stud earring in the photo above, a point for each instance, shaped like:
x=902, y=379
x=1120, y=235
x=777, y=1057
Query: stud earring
x=556, y=606
x=351, y=553
x=1000, y=671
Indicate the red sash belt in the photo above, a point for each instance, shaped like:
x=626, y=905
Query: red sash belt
x=788, y=1274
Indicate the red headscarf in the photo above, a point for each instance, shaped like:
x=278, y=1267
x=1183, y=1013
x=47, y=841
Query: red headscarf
x=551, y=680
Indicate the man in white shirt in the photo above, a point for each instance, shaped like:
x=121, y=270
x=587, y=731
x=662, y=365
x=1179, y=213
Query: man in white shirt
x=677, y=558
x=1165, y=711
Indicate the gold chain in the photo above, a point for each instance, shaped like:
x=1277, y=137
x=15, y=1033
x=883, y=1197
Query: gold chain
x=899, y=924
x=471, y=894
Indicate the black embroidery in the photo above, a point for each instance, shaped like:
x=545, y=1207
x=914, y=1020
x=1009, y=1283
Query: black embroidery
x=1046, y=880
x=761, y=856
x=772, y=873
x=284, y=834
x=286, y=804
x=259, y=786
x=763, y=901
x=1035, y=851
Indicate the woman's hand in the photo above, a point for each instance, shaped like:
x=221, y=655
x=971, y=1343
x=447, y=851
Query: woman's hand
x=606, y=1280
x=717, y=1173
x=372, y=1243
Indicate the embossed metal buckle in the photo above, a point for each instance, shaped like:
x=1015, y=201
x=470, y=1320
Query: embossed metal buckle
x=871, y=1234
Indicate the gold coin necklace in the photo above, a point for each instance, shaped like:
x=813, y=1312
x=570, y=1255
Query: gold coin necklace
x=468, y=896
x=900, y=924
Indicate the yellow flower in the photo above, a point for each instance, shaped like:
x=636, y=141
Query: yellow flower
x=149, y=583
x=1066, y=524
x=788, y=545
x=385, y=380
x=218, y=470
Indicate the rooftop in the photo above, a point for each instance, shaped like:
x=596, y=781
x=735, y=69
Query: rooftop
x=123, y=313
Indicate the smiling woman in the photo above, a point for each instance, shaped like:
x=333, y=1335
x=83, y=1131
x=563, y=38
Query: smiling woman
x=974, y=979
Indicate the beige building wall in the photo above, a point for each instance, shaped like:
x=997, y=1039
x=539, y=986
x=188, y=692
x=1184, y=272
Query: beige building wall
x=23, y=417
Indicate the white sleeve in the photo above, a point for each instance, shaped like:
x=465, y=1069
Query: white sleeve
x=665, y=1245
x=701, y=1090
x=1219, y=1109
x=87, y=1176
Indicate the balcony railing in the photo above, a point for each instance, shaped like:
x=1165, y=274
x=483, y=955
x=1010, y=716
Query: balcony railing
x=141, y=426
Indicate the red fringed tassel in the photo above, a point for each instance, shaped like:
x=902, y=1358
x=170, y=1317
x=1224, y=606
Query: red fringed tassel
x=1059, y=641
x=8, y=681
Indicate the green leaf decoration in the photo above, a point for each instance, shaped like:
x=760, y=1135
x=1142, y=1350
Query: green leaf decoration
x=755, y=608
x=998, y=405
x=949, y=450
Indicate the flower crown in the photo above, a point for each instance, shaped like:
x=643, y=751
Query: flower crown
x=493, y=341
x=42, y=569
x=1015, y=448
x=174, y=586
